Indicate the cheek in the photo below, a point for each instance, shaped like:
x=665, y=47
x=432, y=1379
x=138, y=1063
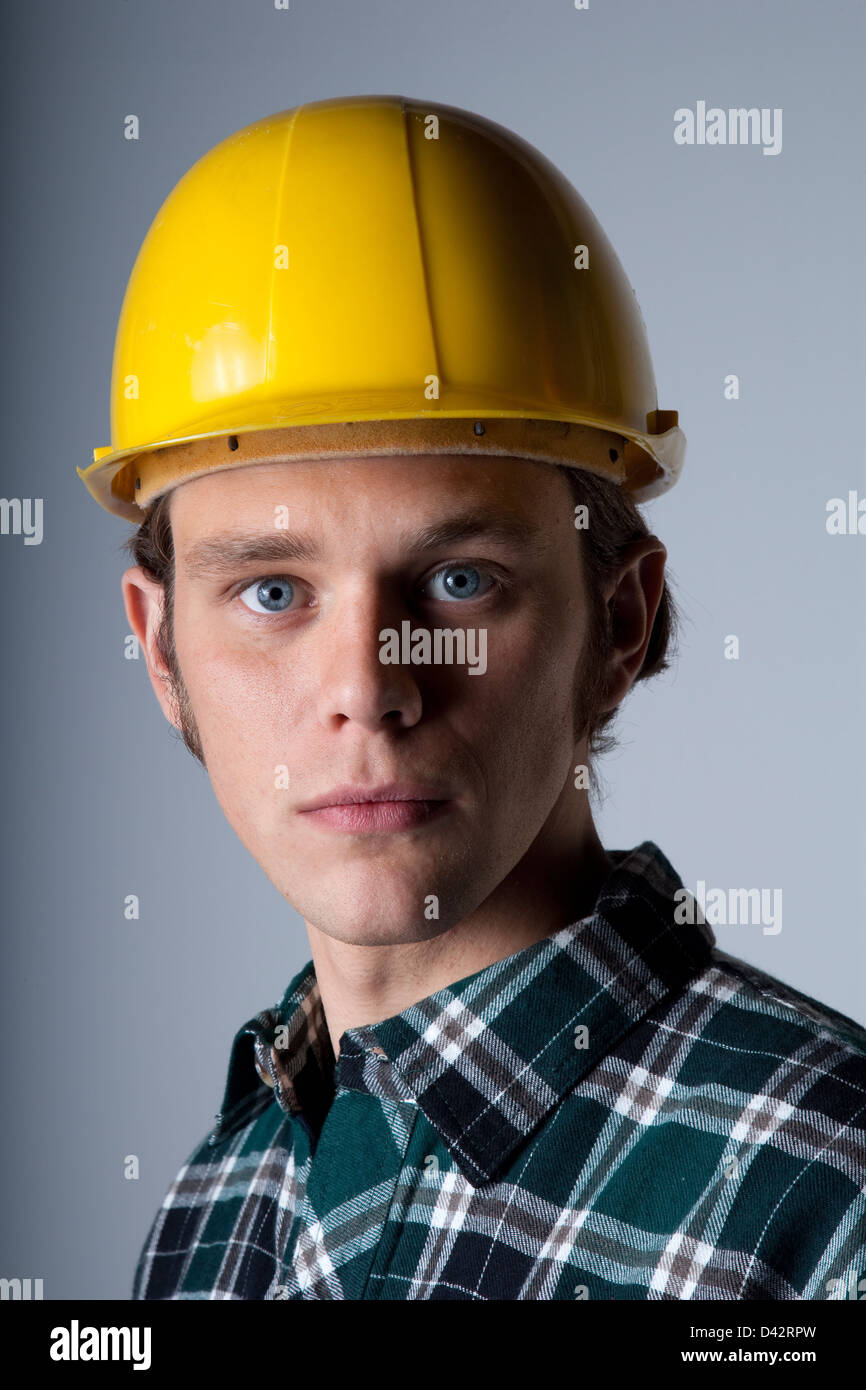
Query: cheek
x=531, y=672
x=246, y=714
x=519, y=715
x=245, y=706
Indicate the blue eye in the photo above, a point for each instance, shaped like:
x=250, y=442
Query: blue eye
x=461, y=581
x=274, y=594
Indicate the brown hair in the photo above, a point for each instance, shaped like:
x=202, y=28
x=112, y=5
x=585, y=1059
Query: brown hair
x=615, y=523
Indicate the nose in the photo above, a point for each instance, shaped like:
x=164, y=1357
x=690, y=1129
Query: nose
x=354, y=683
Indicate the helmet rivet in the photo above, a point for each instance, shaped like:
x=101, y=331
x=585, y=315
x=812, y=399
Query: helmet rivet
x=138, y=482
x=233, y=441
x=614, y=455
x=479, y=428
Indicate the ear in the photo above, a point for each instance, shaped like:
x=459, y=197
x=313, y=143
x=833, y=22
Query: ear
x=144, y=601
x=633, y=597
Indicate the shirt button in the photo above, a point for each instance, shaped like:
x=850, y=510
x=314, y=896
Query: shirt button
x=265, y=1076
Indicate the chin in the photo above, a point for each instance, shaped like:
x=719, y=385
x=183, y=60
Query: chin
x=372, y=906
x=378, y=933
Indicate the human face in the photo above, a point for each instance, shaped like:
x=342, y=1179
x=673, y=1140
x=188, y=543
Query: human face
x=291, y=699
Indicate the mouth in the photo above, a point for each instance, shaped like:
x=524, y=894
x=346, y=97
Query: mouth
x=394, y=806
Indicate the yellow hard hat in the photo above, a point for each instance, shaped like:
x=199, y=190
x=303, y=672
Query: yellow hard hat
x=377, y=275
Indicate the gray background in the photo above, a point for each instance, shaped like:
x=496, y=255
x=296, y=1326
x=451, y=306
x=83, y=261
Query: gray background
x=115, y=1035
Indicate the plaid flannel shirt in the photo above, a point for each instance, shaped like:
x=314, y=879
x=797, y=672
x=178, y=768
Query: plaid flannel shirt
x=620, y=1110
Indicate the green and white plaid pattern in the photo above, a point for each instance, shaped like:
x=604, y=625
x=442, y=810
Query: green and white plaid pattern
x=618, y=1111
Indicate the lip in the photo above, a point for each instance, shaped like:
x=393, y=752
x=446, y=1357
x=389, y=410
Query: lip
x=352, y=795
x=373, y=810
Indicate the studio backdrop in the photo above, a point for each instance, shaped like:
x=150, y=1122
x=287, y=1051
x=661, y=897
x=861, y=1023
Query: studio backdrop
x=720, y=147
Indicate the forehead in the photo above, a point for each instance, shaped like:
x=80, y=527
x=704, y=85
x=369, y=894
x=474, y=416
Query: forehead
x=374, y=497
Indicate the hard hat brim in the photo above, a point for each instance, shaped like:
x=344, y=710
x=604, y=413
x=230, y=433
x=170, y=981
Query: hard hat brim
x=125, y=482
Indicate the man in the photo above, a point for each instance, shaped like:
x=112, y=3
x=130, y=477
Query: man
x=383, y=431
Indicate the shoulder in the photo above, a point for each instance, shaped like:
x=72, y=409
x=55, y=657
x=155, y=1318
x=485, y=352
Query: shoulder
x=754, y=1093
x=780, y=1053
x=765, y=1007
x=788, y=1075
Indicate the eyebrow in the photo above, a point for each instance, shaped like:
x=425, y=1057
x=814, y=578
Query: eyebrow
x=228, y=551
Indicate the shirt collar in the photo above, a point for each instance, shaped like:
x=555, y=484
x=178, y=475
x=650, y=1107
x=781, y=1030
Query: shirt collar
x=489, y=1056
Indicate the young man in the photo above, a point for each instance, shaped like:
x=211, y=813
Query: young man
x=383, y=405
